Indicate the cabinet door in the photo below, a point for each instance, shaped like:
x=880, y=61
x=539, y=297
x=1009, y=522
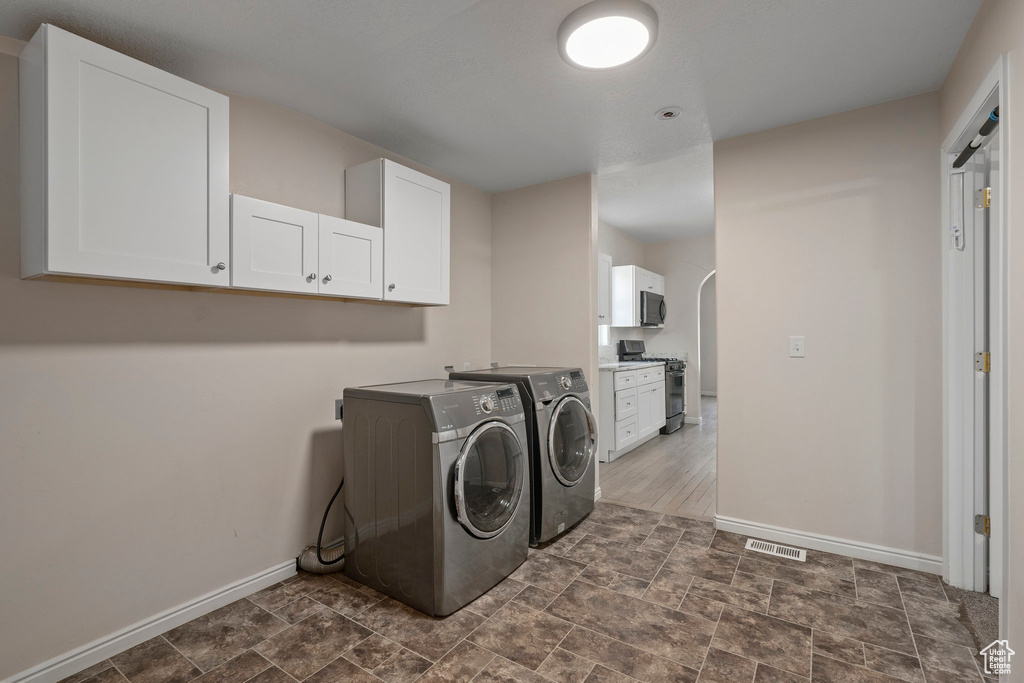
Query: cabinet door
x=658, y=406
x=646, y=280
x=272, y=246
x=417, y=219
x=644, y=410
x=136, y=168
x=658, y=282
x=351, y=258
x=604, y=289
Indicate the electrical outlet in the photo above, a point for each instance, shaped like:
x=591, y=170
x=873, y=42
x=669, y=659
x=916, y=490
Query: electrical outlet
x=796, y=347
x=465, y=366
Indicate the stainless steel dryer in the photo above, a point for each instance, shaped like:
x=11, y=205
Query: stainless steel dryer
x=563, y=443
x=437, y=490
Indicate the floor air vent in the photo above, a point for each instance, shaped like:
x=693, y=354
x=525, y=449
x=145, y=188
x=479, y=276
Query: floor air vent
x=777, y=550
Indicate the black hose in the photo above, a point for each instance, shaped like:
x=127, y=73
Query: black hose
x=323, y=523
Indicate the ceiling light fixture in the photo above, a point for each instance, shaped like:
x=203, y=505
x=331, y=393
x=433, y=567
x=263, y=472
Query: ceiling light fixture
x=607, y=33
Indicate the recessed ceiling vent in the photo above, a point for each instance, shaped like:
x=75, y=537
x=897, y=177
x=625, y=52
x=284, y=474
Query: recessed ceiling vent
x=669, y=113
x=777, y=550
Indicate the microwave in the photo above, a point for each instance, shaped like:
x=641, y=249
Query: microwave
x=652, y=309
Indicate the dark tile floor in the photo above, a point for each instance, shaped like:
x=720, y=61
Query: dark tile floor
x=628, y=595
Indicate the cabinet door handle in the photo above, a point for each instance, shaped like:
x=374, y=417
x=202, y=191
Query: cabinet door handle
x=312, y=276
x=222, y=266
x=327, y=278
x=391, y=287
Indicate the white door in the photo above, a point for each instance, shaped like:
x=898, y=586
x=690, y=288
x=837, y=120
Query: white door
x=137, y=168
x=417, y=220
x=351, y=258
x=604, y=289
x=273, y=246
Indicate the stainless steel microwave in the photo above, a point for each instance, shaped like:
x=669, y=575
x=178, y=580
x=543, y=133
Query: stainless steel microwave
x=652, y=309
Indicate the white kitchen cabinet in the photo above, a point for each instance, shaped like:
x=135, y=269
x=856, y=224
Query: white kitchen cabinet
x=635, y=411
x=284, y=249
x=351, y=258
x=273, y=247
x=414, y=211
x=604, y=289
x=627, y=283
x=124, y=167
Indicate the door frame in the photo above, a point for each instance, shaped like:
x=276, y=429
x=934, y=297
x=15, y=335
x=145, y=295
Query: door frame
x=959, y=547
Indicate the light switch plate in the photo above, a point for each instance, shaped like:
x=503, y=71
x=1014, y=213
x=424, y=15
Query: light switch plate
x=796, y=347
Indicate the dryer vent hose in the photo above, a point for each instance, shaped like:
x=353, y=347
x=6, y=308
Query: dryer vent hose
x=335, y=554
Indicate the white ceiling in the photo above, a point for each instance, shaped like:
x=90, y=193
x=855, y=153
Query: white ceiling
x=476, y=88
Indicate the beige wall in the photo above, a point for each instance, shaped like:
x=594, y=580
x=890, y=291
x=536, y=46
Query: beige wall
x=543, y=270
x=999, y=28
x=158, y=445
x=684, y=263
x=828, y=229
x=708, y=338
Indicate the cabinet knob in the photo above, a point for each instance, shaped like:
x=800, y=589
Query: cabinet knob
x=327, y=278
x=391, y=287
x=222, y=266
x=312, y=276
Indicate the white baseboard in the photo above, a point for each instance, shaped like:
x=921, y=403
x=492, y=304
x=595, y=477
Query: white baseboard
x=709, y=393
x=597, y=493
x=692, y=420
x=829, y=544
x=74, y=661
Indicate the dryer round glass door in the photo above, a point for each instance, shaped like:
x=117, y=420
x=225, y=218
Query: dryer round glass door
x=572, y=439
x=489, y=477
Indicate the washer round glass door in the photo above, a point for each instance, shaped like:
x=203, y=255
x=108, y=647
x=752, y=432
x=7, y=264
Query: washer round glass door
x=572, y=440
x=489, y=476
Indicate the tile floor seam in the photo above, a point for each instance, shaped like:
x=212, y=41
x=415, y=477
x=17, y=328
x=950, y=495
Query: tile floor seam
x=272, y=665
x=913, y=635
x=118, y=670
x=199, y=668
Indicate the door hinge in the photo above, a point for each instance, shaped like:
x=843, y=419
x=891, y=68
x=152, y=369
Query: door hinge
x=983, y=361
x=982, y=525
x=983, y=198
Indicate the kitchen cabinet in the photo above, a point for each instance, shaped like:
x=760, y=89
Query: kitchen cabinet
x=351, y=258
x=273, y=247
x=414, y=211
x=604, y=289
x=124, y=167
x=635, y=411
x=284, y=249
x=627, y=283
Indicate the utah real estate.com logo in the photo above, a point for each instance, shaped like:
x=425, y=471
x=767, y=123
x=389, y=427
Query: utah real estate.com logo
x=997, y=658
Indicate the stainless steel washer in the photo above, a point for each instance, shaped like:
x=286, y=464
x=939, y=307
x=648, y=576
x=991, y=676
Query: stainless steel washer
x=437, y=490
x=563, y=443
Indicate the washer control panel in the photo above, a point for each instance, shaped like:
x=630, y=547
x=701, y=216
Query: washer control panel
x=501, y=401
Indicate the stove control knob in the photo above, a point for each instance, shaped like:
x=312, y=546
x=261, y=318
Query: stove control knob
x=486, y=404
x=564, y=383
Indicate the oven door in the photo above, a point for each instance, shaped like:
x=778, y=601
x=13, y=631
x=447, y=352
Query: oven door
x=652, y=309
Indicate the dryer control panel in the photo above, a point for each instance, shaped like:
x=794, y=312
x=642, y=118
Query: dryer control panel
x=502, y=401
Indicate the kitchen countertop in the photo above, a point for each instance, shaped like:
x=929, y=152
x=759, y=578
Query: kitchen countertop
x=627, y=365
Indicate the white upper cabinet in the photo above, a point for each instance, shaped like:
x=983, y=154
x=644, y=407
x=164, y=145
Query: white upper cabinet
x=351, y=258
x=604, y=289
x=414, y=210
x=627, y=283
x=124, y=167
x=273, y=247
x=284, y=249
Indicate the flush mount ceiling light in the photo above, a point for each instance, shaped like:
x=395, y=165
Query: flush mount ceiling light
x=607, y=33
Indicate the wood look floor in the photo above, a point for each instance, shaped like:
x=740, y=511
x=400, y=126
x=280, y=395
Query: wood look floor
x=673, y=473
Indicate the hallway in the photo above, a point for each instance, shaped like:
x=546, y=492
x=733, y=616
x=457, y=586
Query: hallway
x=673, y=474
